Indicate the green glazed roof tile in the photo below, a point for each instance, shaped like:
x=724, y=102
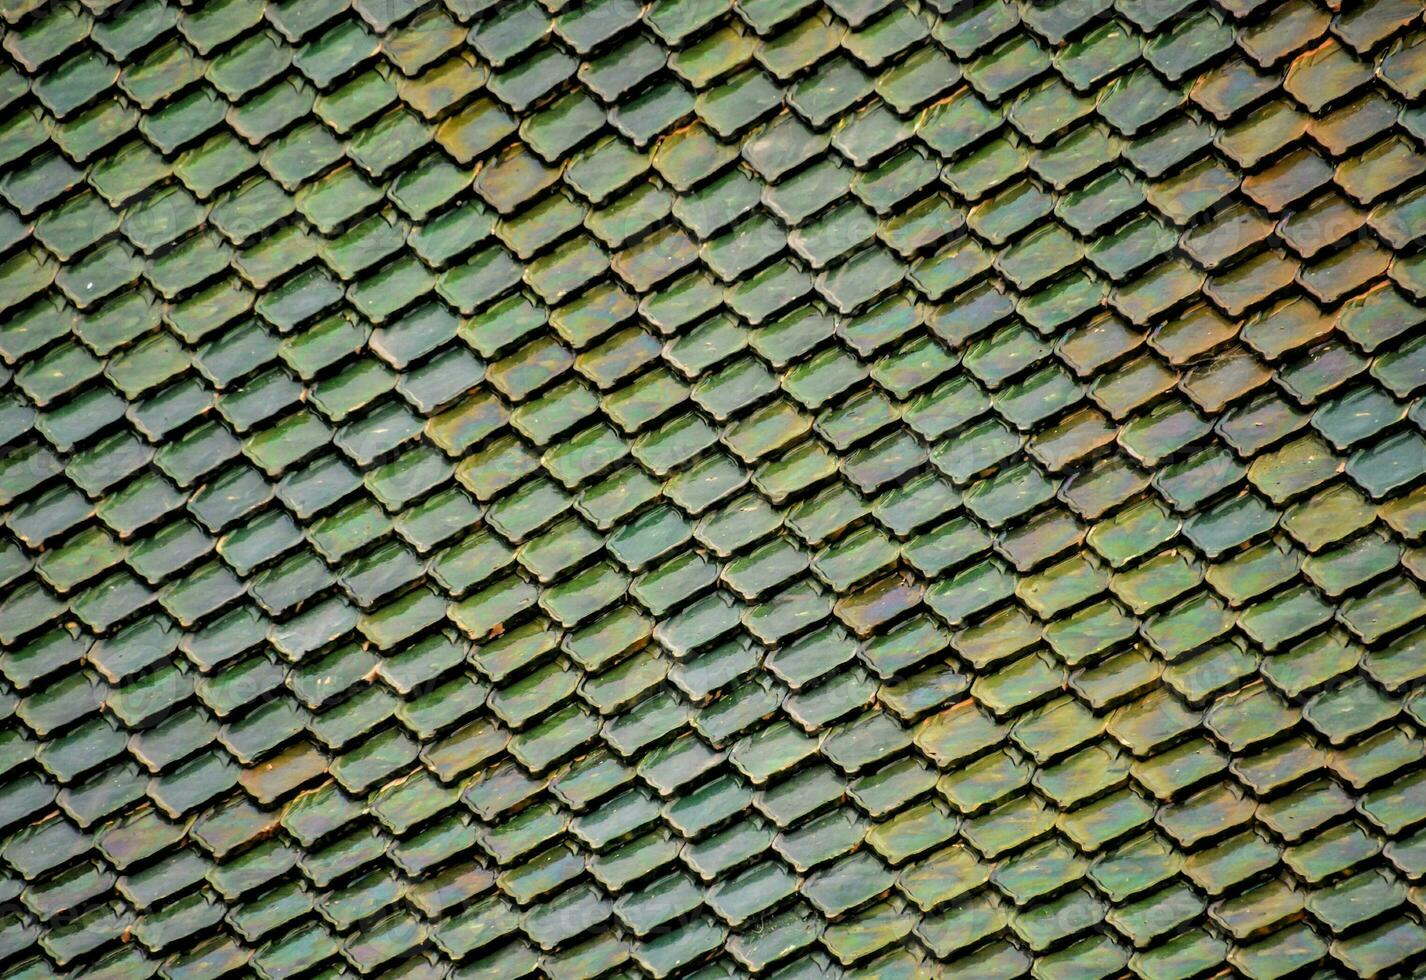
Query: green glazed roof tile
x=887, y=489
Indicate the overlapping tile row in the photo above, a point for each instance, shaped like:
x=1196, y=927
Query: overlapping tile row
x=802, y=488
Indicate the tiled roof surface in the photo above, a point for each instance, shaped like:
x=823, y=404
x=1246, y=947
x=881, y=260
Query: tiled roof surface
x=805, y=488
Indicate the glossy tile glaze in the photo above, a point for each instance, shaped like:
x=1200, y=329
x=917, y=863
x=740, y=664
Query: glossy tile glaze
x=804, y=488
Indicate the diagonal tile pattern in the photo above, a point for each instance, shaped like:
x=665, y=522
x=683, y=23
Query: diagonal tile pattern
x=805, y=488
